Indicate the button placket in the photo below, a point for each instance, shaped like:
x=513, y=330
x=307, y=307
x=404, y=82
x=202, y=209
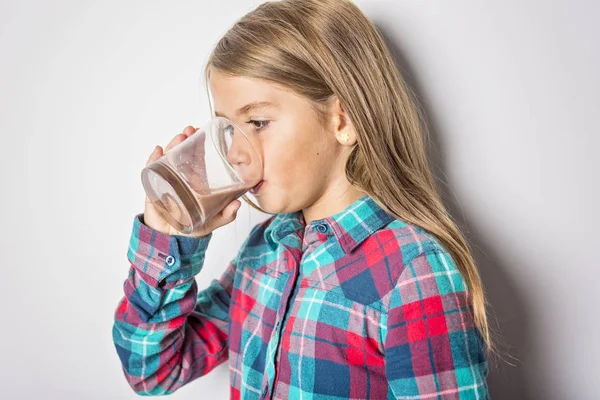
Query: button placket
x=295, y=278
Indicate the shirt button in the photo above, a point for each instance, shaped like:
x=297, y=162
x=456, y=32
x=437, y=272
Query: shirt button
x=322, y=228
x=170, y=260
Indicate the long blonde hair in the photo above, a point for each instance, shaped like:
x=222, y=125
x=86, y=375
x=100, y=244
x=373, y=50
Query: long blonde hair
x=326, y=48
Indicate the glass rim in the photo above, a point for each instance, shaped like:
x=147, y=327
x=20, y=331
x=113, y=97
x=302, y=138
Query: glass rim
x=210, y=122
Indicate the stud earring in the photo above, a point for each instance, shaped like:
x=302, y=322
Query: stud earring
x=345, y=137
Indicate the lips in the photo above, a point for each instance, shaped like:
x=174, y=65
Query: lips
x=256, y=188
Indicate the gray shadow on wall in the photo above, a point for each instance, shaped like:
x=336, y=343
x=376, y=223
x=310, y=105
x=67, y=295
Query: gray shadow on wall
x=509, y=314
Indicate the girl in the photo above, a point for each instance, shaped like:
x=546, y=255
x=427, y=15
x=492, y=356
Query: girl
x=359, y=285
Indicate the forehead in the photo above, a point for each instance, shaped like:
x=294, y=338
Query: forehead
x=231, y=93
x=235, y=90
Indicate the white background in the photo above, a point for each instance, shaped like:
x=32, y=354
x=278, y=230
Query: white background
x=87, y=89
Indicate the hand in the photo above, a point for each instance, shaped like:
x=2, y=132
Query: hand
x=154, y=220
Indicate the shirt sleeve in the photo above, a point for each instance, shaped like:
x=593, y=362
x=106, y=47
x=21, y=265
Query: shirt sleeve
x=166, y=333
x=432, y=347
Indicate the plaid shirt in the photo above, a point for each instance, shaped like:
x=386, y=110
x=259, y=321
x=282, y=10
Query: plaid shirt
x=357, y=305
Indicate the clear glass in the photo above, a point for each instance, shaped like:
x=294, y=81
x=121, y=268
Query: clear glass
x=192, y=182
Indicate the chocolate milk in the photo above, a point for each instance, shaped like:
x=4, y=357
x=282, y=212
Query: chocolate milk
x=211, y=202
x=184, y=207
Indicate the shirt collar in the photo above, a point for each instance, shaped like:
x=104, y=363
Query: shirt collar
x=350, y=226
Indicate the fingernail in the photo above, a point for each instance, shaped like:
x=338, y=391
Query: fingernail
x=155, y=149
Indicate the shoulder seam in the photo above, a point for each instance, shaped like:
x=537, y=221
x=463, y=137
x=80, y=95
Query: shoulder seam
x=430, y=250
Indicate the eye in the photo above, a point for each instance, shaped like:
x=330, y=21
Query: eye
x=259, y=127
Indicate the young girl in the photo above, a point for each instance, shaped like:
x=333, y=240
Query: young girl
x=359, y=285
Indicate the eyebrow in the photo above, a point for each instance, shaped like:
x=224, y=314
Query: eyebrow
x=249, y=107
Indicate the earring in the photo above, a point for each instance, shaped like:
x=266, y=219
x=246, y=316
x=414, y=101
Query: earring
x=345, y=137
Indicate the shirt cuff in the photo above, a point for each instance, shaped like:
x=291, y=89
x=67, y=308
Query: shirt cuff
x=165, y=260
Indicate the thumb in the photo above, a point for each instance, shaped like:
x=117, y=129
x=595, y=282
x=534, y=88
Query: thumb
x=232, y=209
x=225, y=216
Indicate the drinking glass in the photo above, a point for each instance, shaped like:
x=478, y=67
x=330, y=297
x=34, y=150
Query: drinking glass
x=193, y=182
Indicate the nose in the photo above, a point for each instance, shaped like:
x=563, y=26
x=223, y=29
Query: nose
x=238, y=153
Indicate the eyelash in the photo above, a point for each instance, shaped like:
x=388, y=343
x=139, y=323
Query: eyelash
x=266, y=123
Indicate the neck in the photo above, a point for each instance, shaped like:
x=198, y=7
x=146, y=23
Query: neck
x=334, y=200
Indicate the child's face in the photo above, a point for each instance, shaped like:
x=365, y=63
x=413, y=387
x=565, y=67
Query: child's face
x=301, y=158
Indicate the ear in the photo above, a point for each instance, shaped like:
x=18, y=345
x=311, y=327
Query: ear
x=343, y=128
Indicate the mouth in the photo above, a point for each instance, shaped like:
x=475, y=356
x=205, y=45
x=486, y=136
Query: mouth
x=257, y=188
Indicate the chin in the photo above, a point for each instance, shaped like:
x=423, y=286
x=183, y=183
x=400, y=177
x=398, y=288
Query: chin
x=273, y=204
x=268, y=206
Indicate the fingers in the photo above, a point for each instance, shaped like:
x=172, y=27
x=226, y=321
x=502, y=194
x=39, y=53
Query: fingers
x=189, y=130
x=175, y=141
x=155, y=155
x=158, y=150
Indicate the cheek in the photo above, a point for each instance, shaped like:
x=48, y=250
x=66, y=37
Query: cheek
x=287, y=164
x=283, y=168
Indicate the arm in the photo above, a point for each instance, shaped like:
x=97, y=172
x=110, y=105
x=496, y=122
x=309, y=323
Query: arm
x=165, y=332
x=432, y=348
